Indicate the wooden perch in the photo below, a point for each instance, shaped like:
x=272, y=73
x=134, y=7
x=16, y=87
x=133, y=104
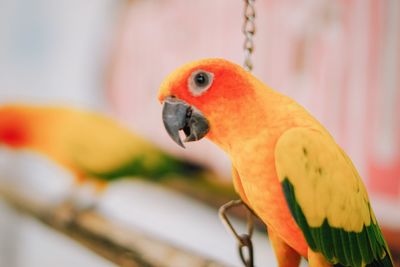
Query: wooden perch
x=124, y=247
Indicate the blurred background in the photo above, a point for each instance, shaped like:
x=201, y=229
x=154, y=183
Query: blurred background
x=340, y=59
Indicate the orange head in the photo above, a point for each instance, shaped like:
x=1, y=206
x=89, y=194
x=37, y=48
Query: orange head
x=210, y=97
x=225, y=80
x=14, y=127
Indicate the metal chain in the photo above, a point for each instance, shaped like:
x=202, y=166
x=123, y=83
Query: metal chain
x=249, y=29
x=243, y=240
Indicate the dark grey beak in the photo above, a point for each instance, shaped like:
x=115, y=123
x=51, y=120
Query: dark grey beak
x=178, y=115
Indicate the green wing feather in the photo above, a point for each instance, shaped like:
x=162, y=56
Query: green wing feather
x=328, y=200
x=155, y=166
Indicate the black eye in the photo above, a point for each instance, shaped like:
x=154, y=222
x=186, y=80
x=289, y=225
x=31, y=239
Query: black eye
x=200, y=81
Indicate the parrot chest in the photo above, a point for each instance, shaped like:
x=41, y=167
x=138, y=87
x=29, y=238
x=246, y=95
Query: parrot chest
x=260, y=188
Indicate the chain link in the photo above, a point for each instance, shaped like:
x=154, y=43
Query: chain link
x=249, y=29
x=243, y=240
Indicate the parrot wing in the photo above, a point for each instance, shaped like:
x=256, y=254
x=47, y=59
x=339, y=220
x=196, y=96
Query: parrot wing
x=102, y=148
x=328, y=200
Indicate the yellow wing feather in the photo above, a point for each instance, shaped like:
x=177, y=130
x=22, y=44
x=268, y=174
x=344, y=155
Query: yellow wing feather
x=326, y=184
x=91, y=141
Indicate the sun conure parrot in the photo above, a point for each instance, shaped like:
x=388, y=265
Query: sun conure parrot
x=91, y=146
x=286, y=167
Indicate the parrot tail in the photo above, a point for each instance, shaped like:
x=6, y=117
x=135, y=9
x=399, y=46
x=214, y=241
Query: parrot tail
x=384, y=262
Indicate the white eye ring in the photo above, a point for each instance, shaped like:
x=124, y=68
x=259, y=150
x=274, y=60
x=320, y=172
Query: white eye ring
x=199, y=82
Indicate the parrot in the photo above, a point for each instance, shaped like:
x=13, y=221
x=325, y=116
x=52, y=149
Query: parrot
x=96, y=149
x=286, y=167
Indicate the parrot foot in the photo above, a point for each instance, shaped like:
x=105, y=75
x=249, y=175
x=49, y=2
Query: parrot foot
x=245, y=245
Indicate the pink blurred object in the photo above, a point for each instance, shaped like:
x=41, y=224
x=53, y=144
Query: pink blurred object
x=340, y=59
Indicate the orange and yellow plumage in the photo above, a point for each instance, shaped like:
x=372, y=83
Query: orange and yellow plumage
x=90, y=145
x=286, y=166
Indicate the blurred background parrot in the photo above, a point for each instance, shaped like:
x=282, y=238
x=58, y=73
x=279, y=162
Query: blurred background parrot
x=286, y=167
x=95, y=148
